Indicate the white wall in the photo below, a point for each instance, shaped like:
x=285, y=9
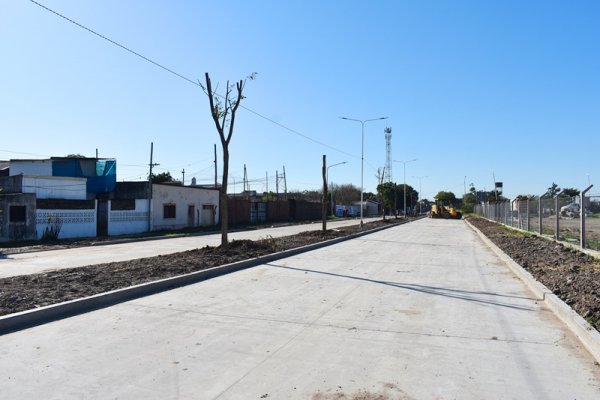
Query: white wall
x=74, y=223
x=31, y=167
x=48, y=187
x=126, y=222
x=182, y=197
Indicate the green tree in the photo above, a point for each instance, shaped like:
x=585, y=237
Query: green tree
x=392, y=196
x=445, y=198
x=571, y=192
x=370, y=196
x=387, y=195
x=553, y=190
x=162, y=177
x=469, y=200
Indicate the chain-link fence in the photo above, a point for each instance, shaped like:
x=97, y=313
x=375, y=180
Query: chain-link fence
x=592, y=222
x=558, y=217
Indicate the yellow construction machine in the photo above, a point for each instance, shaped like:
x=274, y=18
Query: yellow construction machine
x=446, y=212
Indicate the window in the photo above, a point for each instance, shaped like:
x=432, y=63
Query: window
x=17, y=214
x=168, y=211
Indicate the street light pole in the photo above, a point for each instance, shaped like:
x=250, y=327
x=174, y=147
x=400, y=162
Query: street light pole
x=420, y=193
x=329, y=183
x=404, y=165
x=362, y=157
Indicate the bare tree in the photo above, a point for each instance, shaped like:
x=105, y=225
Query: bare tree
x=223, y=110
x=347, y=193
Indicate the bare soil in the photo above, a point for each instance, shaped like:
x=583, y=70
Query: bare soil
x=570, y=274
x=27, y=292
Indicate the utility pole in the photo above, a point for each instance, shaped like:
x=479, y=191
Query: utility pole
x=151, y=165
x=284, y=182
x=277, y=184
x=324, y=199
x=97, y=156
x=267, y=182
x=183, y=177
x=245, y=179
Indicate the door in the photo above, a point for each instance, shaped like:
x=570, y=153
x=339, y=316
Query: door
x=208, y=214
x=190, y=215
x=102, y=218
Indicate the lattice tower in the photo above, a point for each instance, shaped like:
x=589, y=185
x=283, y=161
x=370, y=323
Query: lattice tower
x=387, y=173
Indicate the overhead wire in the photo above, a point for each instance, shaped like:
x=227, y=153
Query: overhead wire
x=184, y=77
x=27, y=154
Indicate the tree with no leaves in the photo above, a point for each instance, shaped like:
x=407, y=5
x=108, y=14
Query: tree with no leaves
x=223, y=110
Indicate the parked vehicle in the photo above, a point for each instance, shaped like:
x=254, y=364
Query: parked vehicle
x=570, y=210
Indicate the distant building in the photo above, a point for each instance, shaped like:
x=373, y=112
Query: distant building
x=81, y=197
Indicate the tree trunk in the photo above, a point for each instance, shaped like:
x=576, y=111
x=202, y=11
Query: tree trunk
x=223, y=198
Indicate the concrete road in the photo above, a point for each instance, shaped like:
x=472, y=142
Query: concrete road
x=33, y=263
x=419, y=311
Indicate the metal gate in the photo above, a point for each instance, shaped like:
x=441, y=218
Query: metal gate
x=258, y=212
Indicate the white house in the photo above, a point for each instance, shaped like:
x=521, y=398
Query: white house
x=176, y=207
x=62, y=201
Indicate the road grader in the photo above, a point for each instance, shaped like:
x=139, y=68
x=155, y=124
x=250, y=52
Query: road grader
x=446, y=212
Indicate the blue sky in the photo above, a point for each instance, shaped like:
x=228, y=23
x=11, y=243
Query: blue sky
x=471, y=88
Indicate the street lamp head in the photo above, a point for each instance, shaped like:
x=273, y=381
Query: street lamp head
x=404, y=162
x=362, y=121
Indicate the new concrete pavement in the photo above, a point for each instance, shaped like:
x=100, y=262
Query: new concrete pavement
x=419, y=311
x=33, y=263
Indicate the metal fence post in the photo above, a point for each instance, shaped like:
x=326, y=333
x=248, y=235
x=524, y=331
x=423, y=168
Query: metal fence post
x=557, y=233
x=541, y=211
x=582, y=217
x=511, y=213
x=519, y=225
x=527, y=203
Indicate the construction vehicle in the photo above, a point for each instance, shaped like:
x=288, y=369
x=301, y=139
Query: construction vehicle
x=446, y=212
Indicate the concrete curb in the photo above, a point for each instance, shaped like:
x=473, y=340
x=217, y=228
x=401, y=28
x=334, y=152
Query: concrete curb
x=132, y=239
x=30, y=318
x=587, y=335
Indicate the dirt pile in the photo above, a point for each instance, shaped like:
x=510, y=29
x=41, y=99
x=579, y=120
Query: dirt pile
x=570, y=274
x=26, y=292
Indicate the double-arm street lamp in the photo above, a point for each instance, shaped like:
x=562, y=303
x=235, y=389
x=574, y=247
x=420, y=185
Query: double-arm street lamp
x=420, y=193
x=404, y=165
x=362, y=156
x=329, y=183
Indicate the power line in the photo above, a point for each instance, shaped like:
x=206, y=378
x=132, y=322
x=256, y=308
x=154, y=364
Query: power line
x=298, y=133
x=115, y=43
x=197, y=84
x=27, y=154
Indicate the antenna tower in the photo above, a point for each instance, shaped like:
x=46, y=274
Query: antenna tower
x=387, y=172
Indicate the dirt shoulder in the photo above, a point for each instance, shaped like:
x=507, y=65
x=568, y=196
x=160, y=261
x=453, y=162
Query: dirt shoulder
x=570, y=274
x=26, y=292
